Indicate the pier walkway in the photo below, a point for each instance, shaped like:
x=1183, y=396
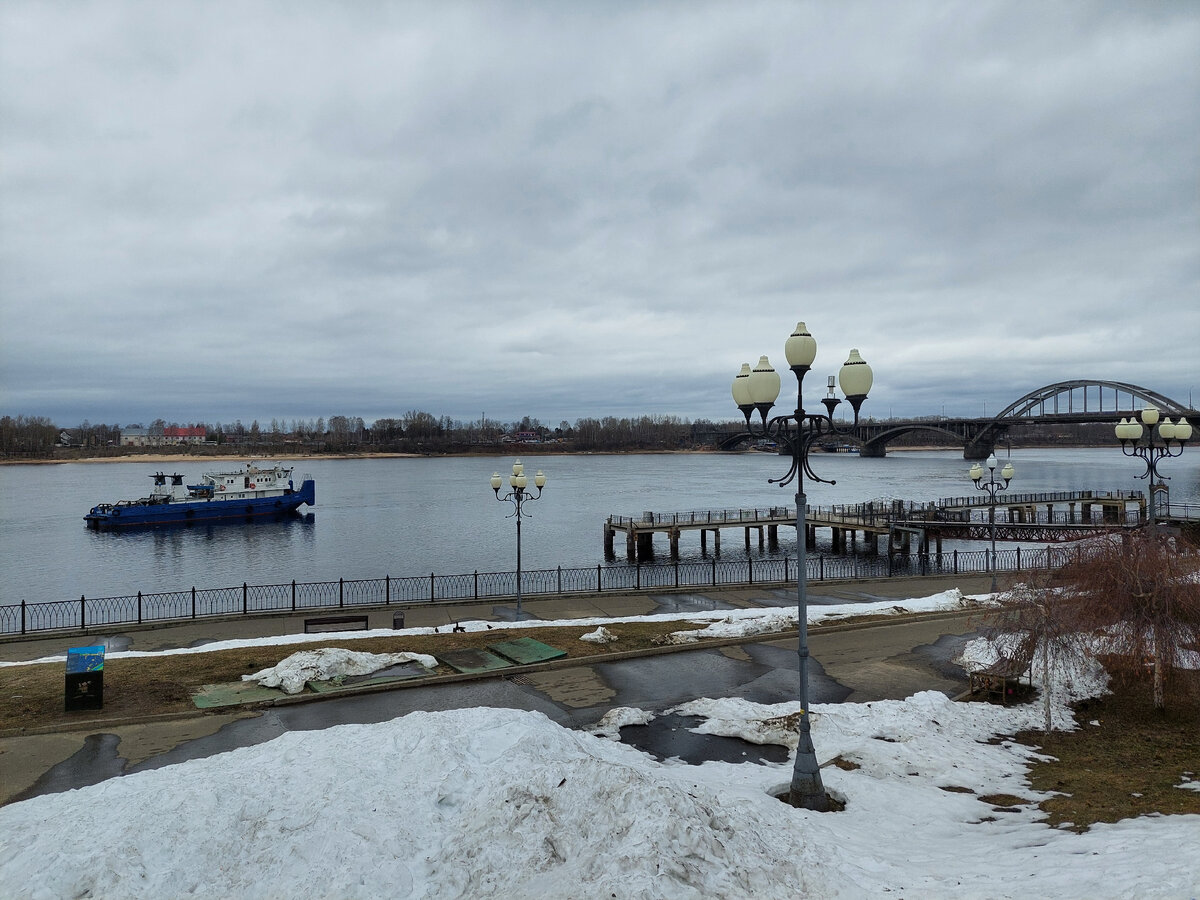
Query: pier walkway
x=1041, y=517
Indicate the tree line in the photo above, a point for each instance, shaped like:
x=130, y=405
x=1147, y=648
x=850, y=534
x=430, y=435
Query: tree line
x=416, y=431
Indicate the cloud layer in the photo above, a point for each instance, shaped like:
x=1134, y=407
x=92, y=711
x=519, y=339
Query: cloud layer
x=255, y=210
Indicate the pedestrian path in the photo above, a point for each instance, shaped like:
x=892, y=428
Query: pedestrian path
x=446, y=615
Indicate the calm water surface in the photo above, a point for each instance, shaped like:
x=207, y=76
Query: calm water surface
x=399, y=517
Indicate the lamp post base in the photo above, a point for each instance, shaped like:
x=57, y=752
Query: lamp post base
x=817, y=802
x=806, y=790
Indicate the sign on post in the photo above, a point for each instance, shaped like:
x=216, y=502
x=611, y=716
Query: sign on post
x=85, y=678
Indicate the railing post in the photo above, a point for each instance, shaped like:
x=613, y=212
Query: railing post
x=387, y=590
x=638, y=567
x=293, y=595
x=821, y=577
x=139, y=607
x=714, y=570
x=750, y=568
x=599, y=585
x=245, y=598
x=476, y=584
x=560, y=579
x=1018, y=558
x=676, y=573
x=22, y=616
x=341, y=592
x=955, y=560
x=82, y=613
x=785, y=567
x=193, y=601
x=432, y=592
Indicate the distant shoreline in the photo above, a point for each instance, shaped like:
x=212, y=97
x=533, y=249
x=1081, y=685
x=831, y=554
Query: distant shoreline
x=221, y=459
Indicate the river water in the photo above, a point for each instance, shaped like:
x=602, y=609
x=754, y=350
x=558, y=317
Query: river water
x=417, y=516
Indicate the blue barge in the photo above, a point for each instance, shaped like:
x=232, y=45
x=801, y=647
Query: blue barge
x=254, y=492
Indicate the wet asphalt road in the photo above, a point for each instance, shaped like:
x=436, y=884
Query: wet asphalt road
x=889, y=661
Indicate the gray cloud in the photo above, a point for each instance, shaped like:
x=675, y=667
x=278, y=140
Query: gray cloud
x=258, y=210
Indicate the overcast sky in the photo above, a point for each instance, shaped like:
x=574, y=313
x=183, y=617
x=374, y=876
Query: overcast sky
x=255, y=210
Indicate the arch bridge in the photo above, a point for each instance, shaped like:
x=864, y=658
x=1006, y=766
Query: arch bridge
x=1062, y=403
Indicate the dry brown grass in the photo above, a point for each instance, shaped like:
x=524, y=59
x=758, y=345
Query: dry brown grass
x=31, y=697
x=1129, y=764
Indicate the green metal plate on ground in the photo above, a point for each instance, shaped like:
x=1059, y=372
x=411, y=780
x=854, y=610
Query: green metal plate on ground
x=524, y=651
x=473, y=661
x=233, y=694
x=395, y=674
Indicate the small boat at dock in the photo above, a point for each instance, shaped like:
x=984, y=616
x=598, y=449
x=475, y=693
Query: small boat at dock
x=256, y=491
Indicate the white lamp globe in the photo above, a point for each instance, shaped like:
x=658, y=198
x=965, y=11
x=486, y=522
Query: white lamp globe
x=741, y=387
x=855, y=376
x=801, y=348
x=764, y=383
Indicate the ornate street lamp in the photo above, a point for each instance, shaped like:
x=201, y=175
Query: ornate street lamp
x=757, y=389
x=992, y=486
x=1137, y=439
x=518, y=496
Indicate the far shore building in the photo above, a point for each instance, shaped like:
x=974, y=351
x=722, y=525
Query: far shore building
x=161, y=437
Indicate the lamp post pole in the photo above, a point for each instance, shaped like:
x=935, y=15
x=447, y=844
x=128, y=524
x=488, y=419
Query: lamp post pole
x=757, y=389
x=1137, y=439
x=992, y=486
x=518, y=481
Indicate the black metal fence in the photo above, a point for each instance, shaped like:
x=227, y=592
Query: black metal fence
x=248, y=599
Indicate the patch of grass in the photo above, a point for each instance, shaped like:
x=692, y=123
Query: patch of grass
x=1126, y=765
x=32, y=696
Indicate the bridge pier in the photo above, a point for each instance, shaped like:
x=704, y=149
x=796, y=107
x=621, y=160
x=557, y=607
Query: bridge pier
x=759, y=529
x=645, y=545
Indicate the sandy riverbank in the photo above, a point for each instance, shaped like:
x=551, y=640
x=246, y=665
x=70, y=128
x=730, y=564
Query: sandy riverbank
x=206, y=459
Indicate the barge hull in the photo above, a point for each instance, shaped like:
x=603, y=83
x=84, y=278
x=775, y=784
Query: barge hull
x=203, y=511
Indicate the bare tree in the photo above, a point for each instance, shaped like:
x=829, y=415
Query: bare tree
x=1142, y=592
x=1041, y=627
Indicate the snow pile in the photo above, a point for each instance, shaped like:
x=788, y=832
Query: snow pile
x=499, y=802
x=749, y=622
x=614, y=720
x=767, y=621
x=600, y=636
x=330, y=664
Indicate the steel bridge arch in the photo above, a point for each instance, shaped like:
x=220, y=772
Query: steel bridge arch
x=1023, y=407
x=980, y=436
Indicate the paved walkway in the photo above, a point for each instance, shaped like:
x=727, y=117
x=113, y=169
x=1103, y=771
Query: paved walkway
x=892, y=660
x=194, y=633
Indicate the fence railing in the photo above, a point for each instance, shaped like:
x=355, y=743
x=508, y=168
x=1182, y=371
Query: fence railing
x=248, y=599
x=884, y=512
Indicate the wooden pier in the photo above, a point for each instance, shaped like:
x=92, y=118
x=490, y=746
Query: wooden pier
x=1040, y=517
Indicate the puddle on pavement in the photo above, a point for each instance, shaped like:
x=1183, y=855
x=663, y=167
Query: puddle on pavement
x=113, y=642
x=669, y=737
x=687, y=603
